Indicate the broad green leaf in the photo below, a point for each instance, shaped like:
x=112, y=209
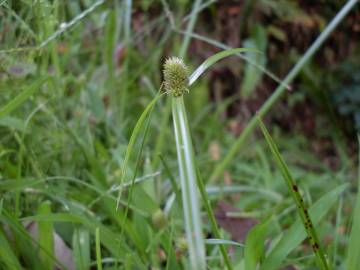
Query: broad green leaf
x=296, y=233
x=213, y=59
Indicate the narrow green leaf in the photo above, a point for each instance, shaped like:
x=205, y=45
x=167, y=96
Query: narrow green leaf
x=108, y=238
x=296, y=233
x=134, y=136
x=46, y=239
x=81, y=248
x=298, y=200
x=110, y=38
x=215, y=58
x=98, y=249
x=8, y=259
x=22, y=97
x=255, y=244
x=212, y=219
x=213, y=241
x=353, y=256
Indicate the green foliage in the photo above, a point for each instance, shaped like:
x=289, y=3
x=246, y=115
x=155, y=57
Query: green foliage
x=83, y=123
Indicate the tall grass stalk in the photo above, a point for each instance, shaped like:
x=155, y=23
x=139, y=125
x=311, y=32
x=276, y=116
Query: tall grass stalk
x=190, y=198
x=186, y=162
x=220, y=168
x=176, y=83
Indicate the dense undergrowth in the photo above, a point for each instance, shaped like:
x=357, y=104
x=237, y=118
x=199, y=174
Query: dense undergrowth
x=89, y=170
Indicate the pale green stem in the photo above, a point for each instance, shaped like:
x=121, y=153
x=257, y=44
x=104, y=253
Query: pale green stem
x=191, y=207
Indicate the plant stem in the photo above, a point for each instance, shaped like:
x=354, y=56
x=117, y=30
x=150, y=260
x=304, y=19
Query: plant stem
x=219, y=169
x=189, y=29
x=187, y=172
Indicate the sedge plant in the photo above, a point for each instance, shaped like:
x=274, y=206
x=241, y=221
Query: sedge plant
x=176, y=83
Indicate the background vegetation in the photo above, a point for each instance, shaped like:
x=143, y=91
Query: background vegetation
x=75, y=77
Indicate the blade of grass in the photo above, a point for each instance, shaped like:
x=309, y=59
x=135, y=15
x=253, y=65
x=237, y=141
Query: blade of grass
x=22, y=240
x=127, y=35
x=240, y=55
x=109, y=238
x=46, y=239
x=98, y=249
x=296, y=233
x=255, y=244
x=230, y=156
x=8, y=259
x=135, y=133
x=353, y=253
x=213, y=59
x=189, y=28
x=66, y=26
x=211, y=216
x=188, y=177
x=221, y=242
x=339, y=213
x=294, y=190
x=81, y=247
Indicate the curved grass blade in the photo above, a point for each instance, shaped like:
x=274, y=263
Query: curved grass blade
x=215, y=58
x=294, y=190
x=245, y=58
x=134, y=136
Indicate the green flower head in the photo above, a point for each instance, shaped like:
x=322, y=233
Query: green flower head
x=176, y=76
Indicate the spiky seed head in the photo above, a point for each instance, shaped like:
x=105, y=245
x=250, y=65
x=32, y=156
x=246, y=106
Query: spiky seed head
x=176, y=76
